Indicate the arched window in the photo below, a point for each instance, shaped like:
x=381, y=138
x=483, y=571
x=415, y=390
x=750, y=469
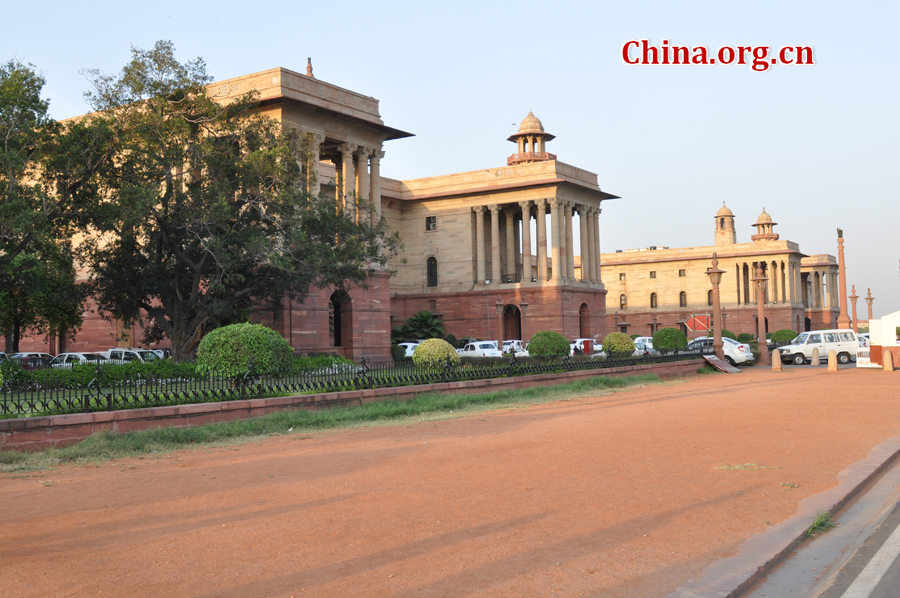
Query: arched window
x=623, y=301
x=722, y=223
x=431, y=271
x=652, y=300
x=682, y=299
x=709, y=300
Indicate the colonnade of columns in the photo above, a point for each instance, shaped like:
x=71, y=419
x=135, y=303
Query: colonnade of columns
x=560, y=267
x=782, y=285
x=358, y=170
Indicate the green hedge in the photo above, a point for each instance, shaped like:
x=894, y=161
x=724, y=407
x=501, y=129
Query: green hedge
x=785, y=335
x=745, y=337
x=667, y=340
x=229, y=350
x=725, y=334
x=618, y=345
x=433, y=353
x=548, y=344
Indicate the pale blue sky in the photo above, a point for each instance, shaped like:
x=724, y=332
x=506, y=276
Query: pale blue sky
x=816, y=145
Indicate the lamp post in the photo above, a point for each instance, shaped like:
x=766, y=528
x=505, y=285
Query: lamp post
x=853, y=299
x=760, y=280
x=524, y=307
x=724, y=320
x=616, y=320
x=843, y=320
x=499, y=306
x=869, y=300
x=715, y=277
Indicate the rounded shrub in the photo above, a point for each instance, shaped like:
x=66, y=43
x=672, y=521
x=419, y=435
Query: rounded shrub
x=397, y=352
x=783, y=336
x=618, y=345
x=548, y=344
x=667, y=340
x=725, y=334
x=744, y=337
x=228, y=351
x=433, y=353
x=634, y=336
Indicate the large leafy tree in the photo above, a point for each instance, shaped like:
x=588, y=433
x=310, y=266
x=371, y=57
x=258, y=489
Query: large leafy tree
x=48, y=170
x=207, y=217
x=41, y=295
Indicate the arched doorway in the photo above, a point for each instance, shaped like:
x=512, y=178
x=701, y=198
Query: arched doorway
x=584, y=321
x=340, y=322
x=512, y=323
x=807, y=324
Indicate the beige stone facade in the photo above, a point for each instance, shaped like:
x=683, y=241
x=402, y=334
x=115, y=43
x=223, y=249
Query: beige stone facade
x=661, y=287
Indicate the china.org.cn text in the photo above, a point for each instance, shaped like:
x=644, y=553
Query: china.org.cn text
x=760, y=58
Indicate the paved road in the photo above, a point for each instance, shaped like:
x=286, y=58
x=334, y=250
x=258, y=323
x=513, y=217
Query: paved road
x=858, y=559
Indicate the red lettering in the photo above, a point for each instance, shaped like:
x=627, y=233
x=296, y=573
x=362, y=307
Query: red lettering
x=700, y=56
x=806, y=51
x=625, y=49
x=783, y=55
x=646, y=48
x=741, y=50
x=680, y=55
x=722, y=54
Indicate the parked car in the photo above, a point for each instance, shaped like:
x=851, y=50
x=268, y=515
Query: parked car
x=648, y=343
x=640, y=349
x=516, y=347
x=410, y=348
x=480, y=349
x=31, y=363
x=842, y=341
x=576, y=347
x=3, y=356
x=163, y=353
x=735, y=352
x=127, y=355
x=23, y=354
x=70, y=359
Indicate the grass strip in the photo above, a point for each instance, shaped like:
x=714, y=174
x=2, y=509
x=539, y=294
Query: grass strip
x=112, y=445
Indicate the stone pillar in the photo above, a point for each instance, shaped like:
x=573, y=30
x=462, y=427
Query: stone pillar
x=869, y=300
x=375, y=185
x=541, y=215
x=362, y=176
x=853, y=299
x=592, y=245
x=479, y=244
x=313, y=175
x=585, y=253
x=348, y=177
x=570, y=242
x=510, y=244
x=595, y=257
x=843, y=319
x=774, y=276
x=495, y=243
x=526, y=240
x=556, y=258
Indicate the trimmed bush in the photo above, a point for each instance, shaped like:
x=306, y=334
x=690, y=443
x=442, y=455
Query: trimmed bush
x=228, y=351
x=667, y=340
x=451, y=339
x=618, y=345
x=398, y=352
x=783, y=336
x=744, y=337
x=433, y=353
x=548, y=344
x=633, y=336
x=725, y=334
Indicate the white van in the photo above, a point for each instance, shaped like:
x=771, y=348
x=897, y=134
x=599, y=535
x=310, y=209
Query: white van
x=842, y=341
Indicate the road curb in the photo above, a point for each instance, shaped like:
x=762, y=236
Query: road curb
x=730, y=577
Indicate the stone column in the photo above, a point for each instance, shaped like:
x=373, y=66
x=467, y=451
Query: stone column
x=479, y=244
x=510, y=244
x=526, y=240
x=869, y=300
x=556, y=258
x=313, y=175
x=362, y=176
x=541, y=205
x=773, y=274
x=843, y=319
x=570, y=249
x=495, y=243
x=375, y=186
x=585, y=245
x=595, y=261
x=348, y=177
x=592, y=244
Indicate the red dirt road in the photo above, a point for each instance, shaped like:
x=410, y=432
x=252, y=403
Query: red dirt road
x=616, y=495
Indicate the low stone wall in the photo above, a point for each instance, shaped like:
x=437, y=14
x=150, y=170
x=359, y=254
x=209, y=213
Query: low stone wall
x=36, y=433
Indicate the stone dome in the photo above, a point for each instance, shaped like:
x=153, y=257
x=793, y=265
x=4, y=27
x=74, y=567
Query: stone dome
x=764, y=218
x=724, y=211
x=531, y=124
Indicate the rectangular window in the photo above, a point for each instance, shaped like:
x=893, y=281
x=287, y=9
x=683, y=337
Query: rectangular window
x=652, y=274
x=430, y=222
x=682, y=273
x=621, y=276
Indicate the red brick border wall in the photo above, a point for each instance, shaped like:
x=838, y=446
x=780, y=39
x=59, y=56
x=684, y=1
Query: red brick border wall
x=36, y=433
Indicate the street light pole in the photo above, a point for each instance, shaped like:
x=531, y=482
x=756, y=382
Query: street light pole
x=715, y=277
x=524, y=307
x=760, y=280
x=853, y=299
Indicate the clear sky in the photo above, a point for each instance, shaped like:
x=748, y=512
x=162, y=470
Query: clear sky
x=817, y=145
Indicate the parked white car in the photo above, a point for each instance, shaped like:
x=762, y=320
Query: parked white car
x=579, y=344
x=648, y=343
x=842, y=341
x=735, y=352
x=514, y=346
x=66, y=360
x=25, y=354
x=410, y=348
x=125, y=355
x=480, y=349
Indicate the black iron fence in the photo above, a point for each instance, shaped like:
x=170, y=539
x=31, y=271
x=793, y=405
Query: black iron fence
x=107, y=392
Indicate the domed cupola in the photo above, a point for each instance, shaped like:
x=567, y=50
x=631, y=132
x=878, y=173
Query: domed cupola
x=725, y=233
x=531, y=140
x=764, y=226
